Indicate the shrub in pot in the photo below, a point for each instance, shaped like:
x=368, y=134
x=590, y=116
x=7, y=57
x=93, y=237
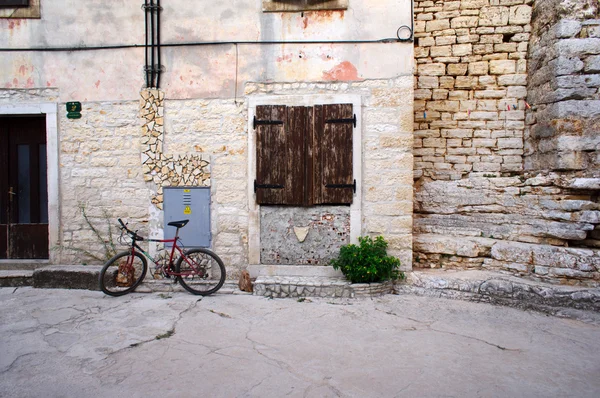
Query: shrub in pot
x=367, y=262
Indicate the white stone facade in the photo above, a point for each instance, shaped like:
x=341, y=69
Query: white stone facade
x=130, y=142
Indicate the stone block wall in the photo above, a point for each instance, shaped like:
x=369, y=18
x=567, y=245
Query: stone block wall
x=497, y=223
x=505, y=138
x=470, y=86
x=564, y=87
x=216, y=130
x=100, y=170
x=105, y=161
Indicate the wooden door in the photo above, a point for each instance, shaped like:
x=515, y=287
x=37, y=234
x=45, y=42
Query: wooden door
x=23, y=188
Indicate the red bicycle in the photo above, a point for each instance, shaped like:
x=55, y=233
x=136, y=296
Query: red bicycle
x=199, y=271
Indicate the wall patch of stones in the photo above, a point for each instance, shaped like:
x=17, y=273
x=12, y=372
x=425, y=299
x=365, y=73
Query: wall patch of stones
x=163, y=169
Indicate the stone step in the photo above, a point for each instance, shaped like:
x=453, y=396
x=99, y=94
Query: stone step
x=499, y=288
x=16, y=278
x=7, y=265
x=67, y=277
x=170, y=286
x=306, y=286
x=293, y=270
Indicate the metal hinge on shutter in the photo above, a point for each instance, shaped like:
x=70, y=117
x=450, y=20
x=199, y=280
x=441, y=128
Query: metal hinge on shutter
x=265, y=122
x=349, y=120
x=266, y=186
x=353, y=186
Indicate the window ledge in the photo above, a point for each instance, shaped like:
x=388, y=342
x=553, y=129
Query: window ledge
x=303, y=5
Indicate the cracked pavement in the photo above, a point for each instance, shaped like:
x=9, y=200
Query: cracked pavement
x=77, y=343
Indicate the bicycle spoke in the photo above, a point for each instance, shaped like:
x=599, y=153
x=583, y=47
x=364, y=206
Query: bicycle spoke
x=122, y=274
x=201, y=271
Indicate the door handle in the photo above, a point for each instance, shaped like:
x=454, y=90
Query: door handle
x=10, y=192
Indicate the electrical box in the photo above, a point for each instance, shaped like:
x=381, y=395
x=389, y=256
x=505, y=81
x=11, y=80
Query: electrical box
x=192, y=204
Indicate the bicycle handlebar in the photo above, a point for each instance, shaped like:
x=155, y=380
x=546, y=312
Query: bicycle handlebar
x=131, y=233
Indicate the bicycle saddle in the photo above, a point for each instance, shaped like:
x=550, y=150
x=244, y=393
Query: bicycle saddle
x=178, y=224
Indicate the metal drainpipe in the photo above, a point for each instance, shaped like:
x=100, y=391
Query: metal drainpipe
x=158, y=66
x=152, y=43
x=146, y=66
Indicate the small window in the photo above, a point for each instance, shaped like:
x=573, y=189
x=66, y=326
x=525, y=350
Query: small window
x=303, y=5
x=14, y=3
x=20, y=9
x=304, y=155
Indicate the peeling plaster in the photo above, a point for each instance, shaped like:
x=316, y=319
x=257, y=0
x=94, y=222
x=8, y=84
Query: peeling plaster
x=344, y=71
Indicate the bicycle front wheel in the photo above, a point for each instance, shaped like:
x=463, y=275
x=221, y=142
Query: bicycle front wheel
x=123, y=273
x=201, y=272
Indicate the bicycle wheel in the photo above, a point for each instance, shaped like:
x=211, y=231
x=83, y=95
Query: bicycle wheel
x=202, y=272
x=123, y=273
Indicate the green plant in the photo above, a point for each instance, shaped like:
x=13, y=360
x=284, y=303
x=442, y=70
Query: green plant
x=165, y=335
x=367, y=262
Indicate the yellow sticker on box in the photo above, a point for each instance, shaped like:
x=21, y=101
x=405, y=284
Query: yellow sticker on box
x=187, y=210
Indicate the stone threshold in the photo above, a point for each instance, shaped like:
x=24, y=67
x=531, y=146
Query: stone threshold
x=291, y=270
x=171, y=286
x=9, y=265
x=16, y=278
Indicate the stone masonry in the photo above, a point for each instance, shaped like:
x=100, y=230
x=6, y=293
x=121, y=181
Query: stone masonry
x=506, y=138
x=470, y=86
x=99, y=170
x=564, y=131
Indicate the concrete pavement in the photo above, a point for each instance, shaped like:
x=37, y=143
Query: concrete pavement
x=79, y=343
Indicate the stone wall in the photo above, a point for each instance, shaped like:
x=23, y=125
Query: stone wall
x=470, y=86
x=105, y=167
x=303, y=235
x=545, y=227
x=564, y=131
x=100, y=171
x=521, y=199
x=216, y=130
x=164, y=169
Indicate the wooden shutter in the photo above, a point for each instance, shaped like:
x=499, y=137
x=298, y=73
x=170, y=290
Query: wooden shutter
x=280, y=154
x=270, y=154
x=304, y=155
x=331, y=161
x=296, y=132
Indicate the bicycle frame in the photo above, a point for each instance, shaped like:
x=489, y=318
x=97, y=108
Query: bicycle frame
x=168, y=268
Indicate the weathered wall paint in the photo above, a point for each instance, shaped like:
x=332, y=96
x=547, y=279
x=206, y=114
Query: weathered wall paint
x=201, y=71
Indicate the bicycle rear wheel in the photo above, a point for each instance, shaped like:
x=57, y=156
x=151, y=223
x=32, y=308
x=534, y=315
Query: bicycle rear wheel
x=202, y=271
x=123, y=273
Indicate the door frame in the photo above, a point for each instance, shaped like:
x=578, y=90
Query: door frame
x=50, y=110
